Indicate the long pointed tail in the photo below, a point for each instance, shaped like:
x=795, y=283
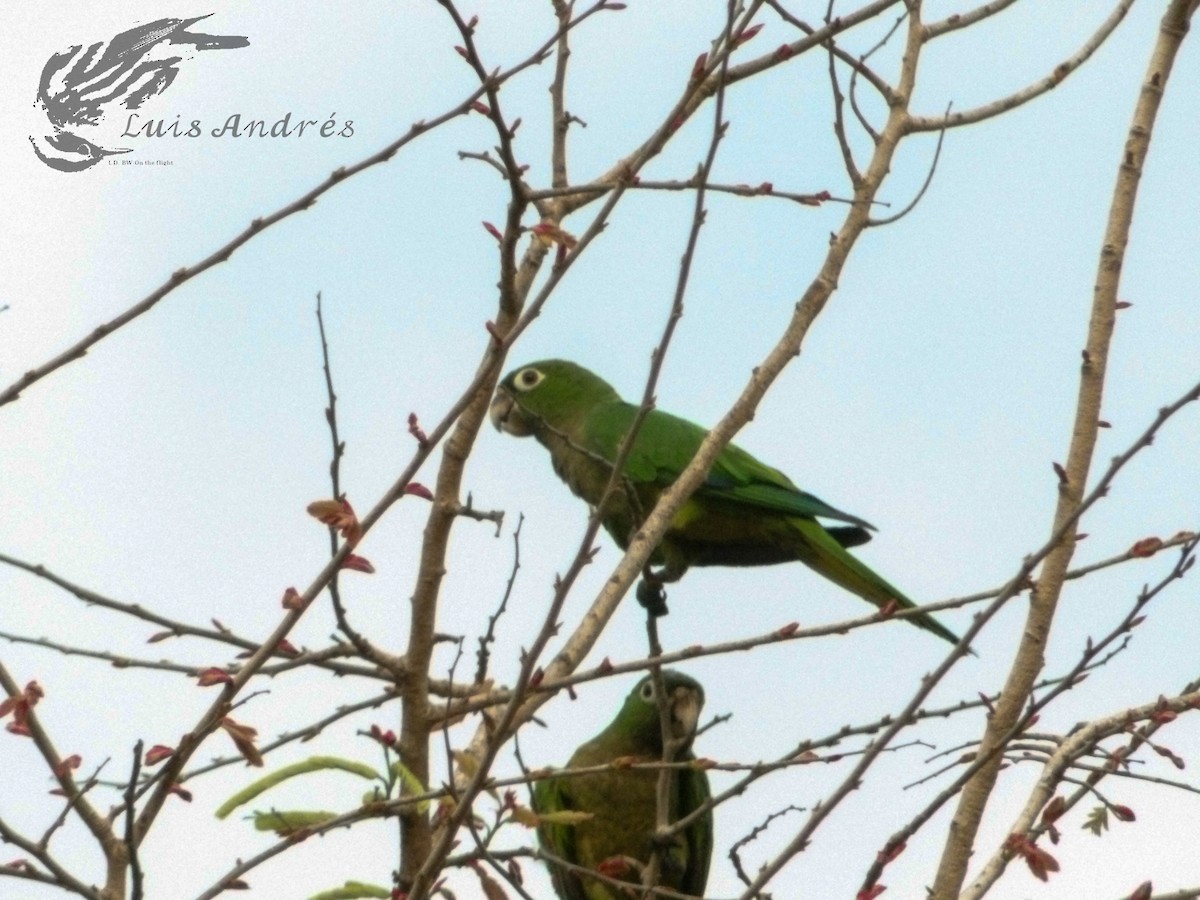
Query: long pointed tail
x=820, y=551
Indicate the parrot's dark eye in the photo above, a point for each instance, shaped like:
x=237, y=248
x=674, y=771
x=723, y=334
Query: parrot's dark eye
x=528, y=378
x=647, y=691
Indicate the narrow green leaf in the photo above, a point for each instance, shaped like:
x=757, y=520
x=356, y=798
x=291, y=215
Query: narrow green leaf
x=411, y=782
x=304, y=767
x=289, y=821
x=353, y=890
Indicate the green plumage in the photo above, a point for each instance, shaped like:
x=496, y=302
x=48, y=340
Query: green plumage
x=744, y=514
x=622, y=801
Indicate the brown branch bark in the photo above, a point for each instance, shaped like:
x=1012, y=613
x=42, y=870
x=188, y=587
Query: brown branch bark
x=962, y=20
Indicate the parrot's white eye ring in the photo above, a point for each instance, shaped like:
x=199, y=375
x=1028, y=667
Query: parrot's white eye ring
x=527, y=379
x=647, y=691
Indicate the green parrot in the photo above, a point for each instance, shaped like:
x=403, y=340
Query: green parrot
x=744, y=514
x=623, y=801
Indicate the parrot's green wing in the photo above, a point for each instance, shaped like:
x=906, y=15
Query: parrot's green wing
x=740, y=485
x=693, y=792
x=665, y=444
x=550, y=795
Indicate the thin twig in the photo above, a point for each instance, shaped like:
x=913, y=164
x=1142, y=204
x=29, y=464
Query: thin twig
x=136, y=887
x=962, y=20
x=896, y=217
x=839, y=122
x=482, y=655
x=857, y=64
x=752, y=836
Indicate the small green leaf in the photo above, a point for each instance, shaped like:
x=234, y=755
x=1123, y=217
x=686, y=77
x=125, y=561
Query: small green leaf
x=1097, y=820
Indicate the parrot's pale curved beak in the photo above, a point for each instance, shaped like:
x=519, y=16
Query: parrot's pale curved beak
x=506, y=416
x=686, y=703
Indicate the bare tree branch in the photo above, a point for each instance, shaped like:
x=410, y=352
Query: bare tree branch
x=1042, y=86
x=1030, y=655
x=963, y=20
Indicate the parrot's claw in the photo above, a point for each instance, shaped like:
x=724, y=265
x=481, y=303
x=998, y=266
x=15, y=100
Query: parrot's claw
x=651, y=596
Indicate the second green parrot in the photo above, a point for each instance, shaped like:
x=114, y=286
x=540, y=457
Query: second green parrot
x=744, y=514
x=615, y=835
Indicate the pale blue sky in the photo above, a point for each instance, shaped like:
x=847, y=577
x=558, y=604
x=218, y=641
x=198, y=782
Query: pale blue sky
x=171, y=466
